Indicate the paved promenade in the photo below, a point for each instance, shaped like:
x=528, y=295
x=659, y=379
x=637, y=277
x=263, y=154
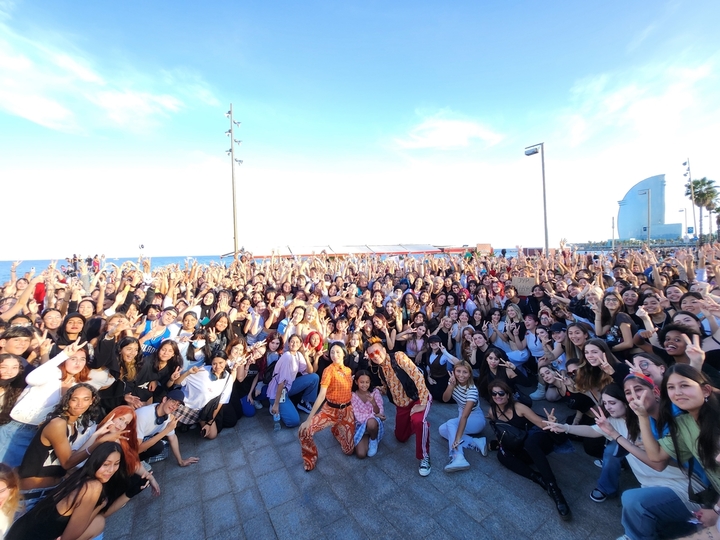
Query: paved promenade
x=250, y=483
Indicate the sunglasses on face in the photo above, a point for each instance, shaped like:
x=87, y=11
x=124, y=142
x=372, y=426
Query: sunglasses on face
x=571, y=374
x=500, y=393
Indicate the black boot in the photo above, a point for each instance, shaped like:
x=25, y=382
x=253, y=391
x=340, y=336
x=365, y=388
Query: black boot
x=538, y=479
x=557, y=496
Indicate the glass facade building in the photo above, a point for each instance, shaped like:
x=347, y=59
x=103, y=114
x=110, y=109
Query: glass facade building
x=633, y=213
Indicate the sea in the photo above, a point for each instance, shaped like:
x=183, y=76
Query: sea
x=40, y=265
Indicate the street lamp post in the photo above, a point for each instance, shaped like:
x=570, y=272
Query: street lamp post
x=684, y=212
x=231, y=152
x=647, y=192
x=688, y=174
x=531, y=151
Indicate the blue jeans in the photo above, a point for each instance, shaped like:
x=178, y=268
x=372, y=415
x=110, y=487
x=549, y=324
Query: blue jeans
x=15, y=437
x=647, y=511
x=248, y=409
x=609, y=481
x=308, y=386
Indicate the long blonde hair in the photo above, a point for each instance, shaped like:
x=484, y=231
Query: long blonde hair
x=12, y=482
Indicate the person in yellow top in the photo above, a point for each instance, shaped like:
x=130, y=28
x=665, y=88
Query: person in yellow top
x=336, y=411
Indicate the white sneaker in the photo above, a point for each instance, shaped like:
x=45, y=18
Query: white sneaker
x=479, y=445
x=458, y=463
x=372, y=447
x=539, y=393
x=424, y=469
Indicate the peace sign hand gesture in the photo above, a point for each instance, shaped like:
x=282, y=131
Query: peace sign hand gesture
x=693, y=351
x=550, y=415
x=603, y=423
x=638, y=402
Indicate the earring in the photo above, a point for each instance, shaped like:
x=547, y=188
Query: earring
x=706, y=399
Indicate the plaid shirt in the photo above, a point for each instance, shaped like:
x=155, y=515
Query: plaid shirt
x=337, y=380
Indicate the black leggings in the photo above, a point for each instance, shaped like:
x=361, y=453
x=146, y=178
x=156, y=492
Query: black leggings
x=537, y=446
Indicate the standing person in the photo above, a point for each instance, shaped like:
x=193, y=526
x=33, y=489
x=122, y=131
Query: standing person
x=337, y=410
x=470, y=419
x=405, y=387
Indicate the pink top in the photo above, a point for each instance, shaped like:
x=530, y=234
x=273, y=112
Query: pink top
x=364, y=411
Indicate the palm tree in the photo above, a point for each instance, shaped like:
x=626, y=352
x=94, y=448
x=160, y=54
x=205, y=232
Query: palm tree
x=706, y=194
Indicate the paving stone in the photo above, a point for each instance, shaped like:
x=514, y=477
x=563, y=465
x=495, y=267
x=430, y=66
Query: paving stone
x=259, y=528
x=277, y=488
x=221, y=515
x=183, y=523
x=214, y=484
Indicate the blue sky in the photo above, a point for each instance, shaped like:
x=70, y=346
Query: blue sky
x=362, y=122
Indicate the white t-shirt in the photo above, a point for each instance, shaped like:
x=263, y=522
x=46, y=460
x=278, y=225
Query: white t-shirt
x=199, y=388
x=146, y=425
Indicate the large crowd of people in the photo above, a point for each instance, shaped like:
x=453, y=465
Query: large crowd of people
x=101, y=366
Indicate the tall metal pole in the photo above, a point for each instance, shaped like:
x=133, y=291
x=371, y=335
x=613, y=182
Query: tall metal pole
x=542, y=157
x=692, y=196
x=232, y=168
x=649, y=191
x=613, y=234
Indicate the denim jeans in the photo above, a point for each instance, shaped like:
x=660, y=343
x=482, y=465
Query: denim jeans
x=609, y=481
x=15, y=437
x=648, y=511
x=307, y=385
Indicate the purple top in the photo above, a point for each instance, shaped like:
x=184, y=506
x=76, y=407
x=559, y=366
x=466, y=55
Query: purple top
x=286, y=369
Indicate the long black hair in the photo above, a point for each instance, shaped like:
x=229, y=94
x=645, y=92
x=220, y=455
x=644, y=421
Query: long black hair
x=708, y=442
x=82, y=476
x=13, y=388
x=88, y=417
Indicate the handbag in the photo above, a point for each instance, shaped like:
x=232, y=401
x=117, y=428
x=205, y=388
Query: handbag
x=705, y=498
x=207, y=412
x=509, y=437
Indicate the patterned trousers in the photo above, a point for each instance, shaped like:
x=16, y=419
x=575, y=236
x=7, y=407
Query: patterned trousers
x=343, y=428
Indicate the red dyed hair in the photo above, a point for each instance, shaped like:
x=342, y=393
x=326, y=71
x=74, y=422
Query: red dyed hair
x=84, y=374
x=130, y=443
x=307, y=340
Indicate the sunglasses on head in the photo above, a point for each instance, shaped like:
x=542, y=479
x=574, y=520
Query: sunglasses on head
x=499, y=393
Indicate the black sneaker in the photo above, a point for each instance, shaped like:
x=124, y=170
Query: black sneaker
x=304, y=407
x=598, y=496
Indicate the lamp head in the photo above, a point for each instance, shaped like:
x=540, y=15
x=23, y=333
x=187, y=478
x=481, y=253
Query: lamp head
x=531, y=151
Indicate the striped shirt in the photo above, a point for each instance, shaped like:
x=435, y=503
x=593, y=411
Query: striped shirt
x=463, y=394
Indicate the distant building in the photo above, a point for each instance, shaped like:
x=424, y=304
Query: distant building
x=633, y=213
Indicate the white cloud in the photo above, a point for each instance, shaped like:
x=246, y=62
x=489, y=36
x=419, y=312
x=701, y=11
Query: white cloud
x=53, y=83
x=642, y=102
x=444, y=133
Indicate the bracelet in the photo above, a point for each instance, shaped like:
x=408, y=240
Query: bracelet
x=88, y=451
x=716, y=509
x=567, y=428
x=616, y=438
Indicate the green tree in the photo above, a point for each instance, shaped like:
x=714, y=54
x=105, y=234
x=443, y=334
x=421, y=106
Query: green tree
x=706, y=195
